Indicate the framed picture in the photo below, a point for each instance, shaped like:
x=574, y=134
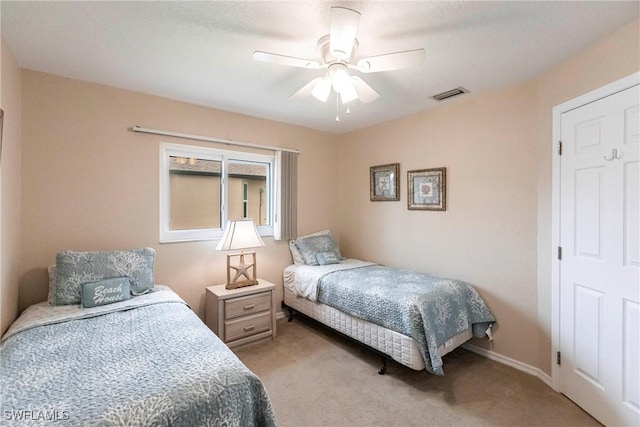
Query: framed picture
x=384, y=182
x=427, y=189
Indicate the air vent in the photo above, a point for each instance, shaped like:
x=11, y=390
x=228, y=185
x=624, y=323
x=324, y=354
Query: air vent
x=450, y=93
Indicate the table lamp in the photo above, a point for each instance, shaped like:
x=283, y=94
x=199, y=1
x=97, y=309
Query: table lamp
x=239, y=235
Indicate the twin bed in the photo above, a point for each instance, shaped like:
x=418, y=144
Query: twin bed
x=144, y=360
x=110, y=347
x=413, y=318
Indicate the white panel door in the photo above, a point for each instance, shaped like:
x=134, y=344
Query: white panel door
x=600, y=267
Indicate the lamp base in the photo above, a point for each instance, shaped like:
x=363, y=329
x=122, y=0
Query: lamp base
x=241, y=284
x=242, y=270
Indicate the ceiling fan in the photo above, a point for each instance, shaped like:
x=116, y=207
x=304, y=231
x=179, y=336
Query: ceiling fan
x=337, y=50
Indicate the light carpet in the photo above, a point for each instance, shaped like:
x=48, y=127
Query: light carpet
x=316, y=377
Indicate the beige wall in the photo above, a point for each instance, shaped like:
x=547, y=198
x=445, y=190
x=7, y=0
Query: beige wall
x=89, y=183
x=496, y=232
x=10, y=166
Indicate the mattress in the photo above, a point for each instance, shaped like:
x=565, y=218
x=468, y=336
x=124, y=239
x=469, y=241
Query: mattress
x=399, y=347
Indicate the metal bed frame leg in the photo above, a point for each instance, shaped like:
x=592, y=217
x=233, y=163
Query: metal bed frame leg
x=290, y=310
x=383, y=369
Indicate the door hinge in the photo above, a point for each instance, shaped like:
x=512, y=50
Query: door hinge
x=558, y=358
x=560, y=148
x=560, y=252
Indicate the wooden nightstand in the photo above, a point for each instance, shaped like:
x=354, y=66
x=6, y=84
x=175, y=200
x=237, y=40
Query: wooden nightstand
x=242, y=315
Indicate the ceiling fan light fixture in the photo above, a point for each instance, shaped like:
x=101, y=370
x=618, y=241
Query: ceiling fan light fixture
x=322, y=89
x=340, y=78
x=365, y=92
x=348, y=94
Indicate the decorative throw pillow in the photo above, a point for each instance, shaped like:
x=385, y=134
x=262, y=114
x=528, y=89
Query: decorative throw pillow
x=295, y=253
x=106, y=291
x=325, y=258
x=75, y=268
x=310, y=246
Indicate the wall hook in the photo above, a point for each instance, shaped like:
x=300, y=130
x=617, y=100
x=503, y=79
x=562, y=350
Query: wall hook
x=614, y=155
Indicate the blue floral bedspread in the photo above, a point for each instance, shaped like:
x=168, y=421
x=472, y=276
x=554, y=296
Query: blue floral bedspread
x=429, y=309
x=150, y=363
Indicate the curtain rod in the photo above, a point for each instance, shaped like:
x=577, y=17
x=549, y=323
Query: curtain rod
x=210, y=139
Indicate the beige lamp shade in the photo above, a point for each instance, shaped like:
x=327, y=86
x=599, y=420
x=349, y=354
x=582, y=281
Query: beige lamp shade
x=240, y=235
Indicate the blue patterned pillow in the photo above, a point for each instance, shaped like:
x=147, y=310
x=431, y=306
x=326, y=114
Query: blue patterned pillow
x=308, y=247
x=106, y=291
x=325, y=258
x=51, y=297
x=295, y=253
x=75, y=268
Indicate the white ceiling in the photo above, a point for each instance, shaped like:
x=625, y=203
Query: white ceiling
x=200, y=52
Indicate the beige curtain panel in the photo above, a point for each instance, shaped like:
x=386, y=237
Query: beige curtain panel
x=286, y=226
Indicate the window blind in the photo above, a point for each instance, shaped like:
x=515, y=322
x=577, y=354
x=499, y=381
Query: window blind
x=286, y=221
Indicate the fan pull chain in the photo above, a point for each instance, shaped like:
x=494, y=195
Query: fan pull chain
x=337, y=108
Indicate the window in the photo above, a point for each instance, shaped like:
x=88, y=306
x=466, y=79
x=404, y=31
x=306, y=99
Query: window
x=201, y=188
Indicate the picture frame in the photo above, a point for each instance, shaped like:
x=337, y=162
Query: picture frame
x=384, y=182
x=427, y=189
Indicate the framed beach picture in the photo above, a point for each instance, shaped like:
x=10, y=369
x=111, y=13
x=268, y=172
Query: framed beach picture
x=384, y=182
x=427, y=189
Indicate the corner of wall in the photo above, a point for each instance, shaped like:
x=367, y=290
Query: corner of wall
x=10, y=188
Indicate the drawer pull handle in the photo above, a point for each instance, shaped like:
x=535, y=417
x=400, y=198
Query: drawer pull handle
x=249, y=328
x=249, y=306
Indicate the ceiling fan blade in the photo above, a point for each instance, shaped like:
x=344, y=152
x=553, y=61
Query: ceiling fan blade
x=365, y=92
x=343, y=30
x=285, y=60
x=391, y=61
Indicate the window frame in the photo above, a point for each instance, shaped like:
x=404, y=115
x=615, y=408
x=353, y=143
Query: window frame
x=245, y=199
x=168, y=150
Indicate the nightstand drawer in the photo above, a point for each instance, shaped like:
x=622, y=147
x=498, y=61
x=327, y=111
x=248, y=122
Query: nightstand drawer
x=246, y=326
x=250, y=304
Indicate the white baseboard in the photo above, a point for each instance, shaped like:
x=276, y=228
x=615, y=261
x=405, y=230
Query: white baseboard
x=280, y=315
x=537, y=372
